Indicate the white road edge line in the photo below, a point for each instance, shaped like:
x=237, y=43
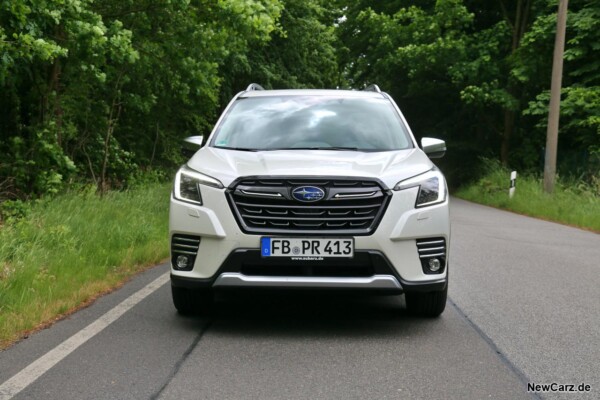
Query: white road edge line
x=37, y=368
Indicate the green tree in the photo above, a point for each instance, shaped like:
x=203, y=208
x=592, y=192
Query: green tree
x=103, y=88
x=417, y=53
x=300, y=54
x=579, y=136
x=45, y=47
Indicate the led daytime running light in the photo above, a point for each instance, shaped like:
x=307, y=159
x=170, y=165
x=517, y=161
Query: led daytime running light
x=432, y=188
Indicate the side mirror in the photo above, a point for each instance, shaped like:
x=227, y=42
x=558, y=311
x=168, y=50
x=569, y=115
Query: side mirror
x=434, y=148
x=191, y=145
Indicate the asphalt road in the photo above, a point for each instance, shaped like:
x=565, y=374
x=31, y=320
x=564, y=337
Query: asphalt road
x=524, y=307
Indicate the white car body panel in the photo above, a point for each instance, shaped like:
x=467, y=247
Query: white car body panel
x=390, y=167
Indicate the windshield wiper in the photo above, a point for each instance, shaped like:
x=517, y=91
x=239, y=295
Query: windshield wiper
x=317, y=148
x=236, y=148
x=338, y=148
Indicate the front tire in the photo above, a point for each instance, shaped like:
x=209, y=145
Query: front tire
x=192, y=301
x=427, y=304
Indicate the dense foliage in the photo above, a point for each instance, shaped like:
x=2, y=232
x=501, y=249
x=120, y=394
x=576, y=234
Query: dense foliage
x=100, y=90
x=103, y=88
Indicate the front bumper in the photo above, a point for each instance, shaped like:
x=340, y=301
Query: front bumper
x=369, y=270
x=387, y=259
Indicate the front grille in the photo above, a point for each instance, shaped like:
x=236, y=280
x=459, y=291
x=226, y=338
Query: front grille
x=349, y=206
x=184, y=245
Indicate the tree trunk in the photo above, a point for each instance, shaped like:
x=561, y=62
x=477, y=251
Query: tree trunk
x=518, y=27
x=555, y=89
x=509, y=125
x=112, y=121
x=54, y=86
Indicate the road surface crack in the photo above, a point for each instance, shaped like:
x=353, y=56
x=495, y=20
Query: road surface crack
x=180, y=362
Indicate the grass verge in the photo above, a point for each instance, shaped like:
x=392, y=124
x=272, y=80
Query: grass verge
x=572, y=203
x=69, y=249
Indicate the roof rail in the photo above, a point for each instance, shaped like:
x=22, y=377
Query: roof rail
x=254, y=86
x=372, y=88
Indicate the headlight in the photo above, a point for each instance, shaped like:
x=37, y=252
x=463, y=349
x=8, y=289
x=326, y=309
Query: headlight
x=432, y=188
x=188, y=182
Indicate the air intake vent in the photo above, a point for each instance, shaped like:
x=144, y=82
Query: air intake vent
x=432, y=252
x=184, y=249
x=265, y=205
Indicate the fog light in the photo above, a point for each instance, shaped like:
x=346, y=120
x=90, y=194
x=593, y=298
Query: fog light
x=182, y=262
x=434, y=264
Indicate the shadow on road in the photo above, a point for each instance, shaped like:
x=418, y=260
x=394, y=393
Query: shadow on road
x=314, y=314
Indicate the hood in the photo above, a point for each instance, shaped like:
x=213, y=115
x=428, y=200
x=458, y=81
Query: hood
x=388, y=166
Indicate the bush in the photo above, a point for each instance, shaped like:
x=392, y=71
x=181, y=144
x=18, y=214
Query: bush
x=574, y=201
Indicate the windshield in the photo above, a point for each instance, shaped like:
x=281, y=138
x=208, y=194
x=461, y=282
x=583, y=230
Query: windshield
x=312, y=122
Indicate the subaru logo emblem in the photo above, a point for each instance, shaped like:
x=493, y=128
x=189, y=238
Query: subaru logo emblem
x=308, y=193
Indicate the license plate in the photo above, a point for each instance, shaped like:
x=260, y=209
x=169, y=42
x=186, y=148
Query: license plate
x=306, y=248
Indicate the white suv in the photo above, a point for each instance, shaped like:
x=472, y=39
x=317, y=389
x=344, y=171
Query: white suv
x=318, y=189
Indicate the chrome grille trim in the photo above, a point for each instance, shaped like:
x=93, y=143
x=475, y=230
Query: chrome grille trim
x=185, y=244
x=260, y=194
x=431, y=247
x=346, y=196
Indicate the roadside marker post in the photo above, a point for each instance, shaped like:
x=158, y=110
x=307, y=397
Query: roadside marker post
x=513, y=184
